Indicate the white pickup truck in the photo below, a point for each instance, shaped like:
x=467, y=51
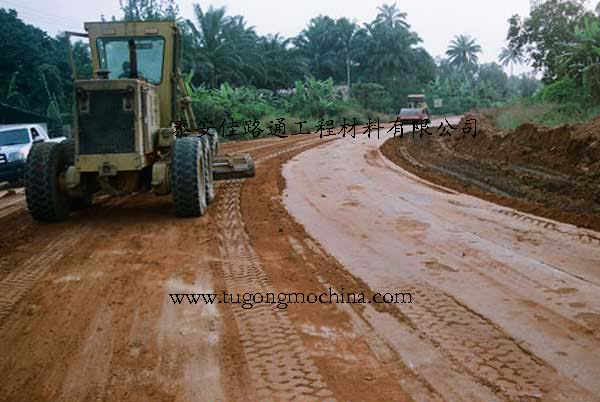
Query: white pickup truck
x=15, y=142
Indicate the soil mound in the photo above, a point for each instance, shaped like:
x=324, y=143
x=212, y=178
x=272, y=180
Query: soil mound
x=573, y=150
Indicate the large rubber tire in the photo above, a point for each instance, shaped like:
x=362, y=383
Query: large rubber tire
x=213, y=135
x=208, y=170
x=45, y=163
x=188, y=177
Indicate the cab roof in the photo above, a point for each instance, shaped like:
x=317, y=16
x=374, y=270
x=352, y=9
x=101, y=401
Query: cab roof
x=4, y=127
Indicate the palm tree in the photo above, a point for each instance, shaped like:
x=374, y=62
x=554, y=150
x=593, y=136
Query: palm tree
x=319, y=44
x=390, y=15
x=346, y=30
x=510, y=55
x=224, y=46
x=463, y=51
x=387, y=52
x=281, y=65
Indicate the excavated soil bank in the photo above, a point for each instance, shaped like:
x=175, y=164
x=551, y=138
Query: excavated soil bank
x=554, y=173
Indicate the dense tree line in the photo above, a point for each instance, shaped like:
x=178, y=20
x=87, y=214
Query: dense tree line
x=32, y=64
x=561, y=38
x=224, y=49
x=380, y=62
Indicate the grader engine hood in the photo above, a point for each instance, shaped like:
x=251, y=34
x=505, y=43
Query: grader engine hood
x=115, y=123
x=106, y=118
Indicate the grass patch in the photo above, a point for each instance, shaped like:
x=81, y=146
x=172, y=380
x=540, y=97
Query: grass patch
x=547, y=114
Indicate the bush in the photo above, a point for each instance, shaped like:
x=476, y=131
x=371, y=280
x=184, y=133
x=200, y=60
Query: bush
x=591, y=82
x=372, y=96
x=311, y=101
x=315, y=99
x=564, y=90
x=240, y=104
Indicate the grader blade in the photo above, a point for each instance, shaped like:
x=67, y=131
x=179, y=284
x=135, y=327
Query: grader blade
x=233, y=167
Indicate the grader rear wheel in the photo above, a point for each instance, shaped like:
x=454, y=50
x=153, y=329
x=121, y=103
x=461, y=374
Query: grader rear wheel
x=188, y=177
x=208, y=170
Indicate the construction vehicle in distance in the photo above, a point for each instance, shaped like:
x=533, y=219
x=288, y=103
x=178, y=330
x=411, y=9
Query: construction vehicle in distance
x=125, y=136
x=416, y=111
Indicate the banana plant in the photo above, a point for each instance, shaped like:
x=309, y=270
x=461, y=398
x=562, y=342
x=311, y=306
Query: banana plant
x=583, y=51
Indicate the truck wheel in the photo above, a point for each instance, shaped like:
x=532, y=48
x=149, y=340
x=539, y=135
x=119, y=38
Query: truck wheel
x=213, y=135
x=45, y=201
x=188, y=178
x=208, y=171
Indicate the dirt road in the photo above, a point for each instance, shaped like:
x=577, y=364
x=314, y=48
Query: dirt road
x=506, y=303
x=503, y=303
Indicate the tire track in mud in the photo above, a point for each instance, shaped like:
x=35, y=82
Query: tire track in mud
x=253, y=148
x=487, y=353
x=582, y=236
x=280, y=366
x=483, y=350
x=19, y=206
x=11, y=205
x=476, y=344
x=19, y=282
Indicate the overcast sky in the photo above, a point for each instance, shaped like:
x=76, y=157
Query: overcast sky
x=436, y=21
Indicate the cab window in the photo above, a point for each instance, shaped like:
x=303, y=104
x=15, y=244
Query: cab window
x=113, y=54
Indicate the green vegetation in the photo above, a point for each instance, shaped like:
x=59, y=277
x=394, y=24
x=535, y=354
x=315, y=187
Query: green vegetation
x=546, y=113
x=462, y=53
x=30, y=60
x=562, y=39
x=335, y=68
x=234, y=73
x=310, y=102
x=509, y=56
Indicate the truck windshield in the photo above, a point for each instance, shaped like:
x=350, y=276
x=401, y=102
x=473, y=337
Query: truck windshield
x=14, y=137
x=114, y=56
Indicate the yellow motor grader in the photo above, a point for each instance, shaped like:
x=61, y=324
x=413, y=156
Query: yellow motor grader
x=125, y=129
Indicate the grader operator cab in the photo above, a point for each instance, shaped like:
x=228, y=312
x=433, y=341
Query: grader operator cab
x=125, y=136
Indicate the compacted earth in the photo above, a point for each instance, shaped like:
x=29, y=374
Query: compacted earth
x=490, y=245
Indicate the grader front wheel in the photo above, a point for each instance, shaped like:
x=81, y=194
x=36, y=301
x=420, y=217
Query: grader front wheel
x=188, y=177
x=45, y=163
